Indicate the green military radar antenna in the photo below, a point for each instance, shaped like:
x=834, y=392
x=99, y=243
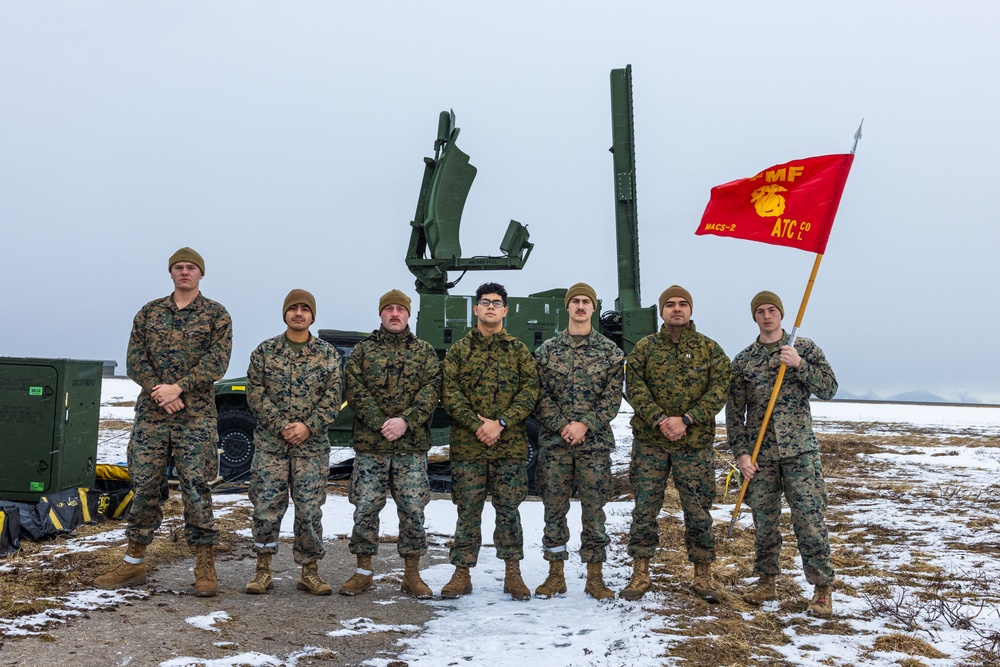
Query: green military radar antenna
x=435, y=248
x=630, y=321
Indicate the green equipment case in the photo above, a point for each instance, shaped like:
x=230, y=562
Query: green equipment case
x=49, y=413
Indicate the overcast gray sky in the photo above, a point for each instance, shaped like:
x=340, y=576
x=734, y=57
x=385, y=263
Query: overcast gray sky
x=284, y=141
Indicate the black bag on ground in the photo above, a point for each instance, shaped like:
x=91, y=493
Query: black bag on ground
x=10, y=529
x=111, y=496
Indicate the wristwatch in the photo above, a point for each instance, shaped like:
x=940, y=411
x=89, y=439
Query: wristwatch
x=503, y=422
x=687, y=420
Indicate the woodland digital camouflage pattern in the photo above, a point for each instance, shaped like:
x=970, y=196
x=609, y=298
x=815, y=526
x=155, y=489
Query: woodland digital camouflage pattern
x=789, y=456
x=558, y=469
x=190, y=347
x=693, y=471
x=800, y=478
x=494, y=377
x=391, y=375
x=276, y=475
x=506, y=481
x=668, y=379
x=580, y=381
x=403, y=475
x=285, y=386
x=789, y=432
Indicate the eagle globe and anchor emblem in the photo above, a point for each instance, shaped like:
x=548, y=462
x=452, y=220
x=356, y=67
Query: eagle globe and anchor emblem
x=767, y=202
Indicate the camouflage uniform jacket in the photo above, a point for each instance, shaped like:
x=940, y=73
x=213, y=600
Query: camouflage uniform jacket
x=668, y=379
x=580, y=381
x=494, y=377
x=392, y=375
x=187, y=346
x=789, y=431
x=286, y=386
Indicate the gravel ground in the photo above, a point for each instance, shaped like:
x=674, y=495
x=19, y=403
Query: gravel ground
x=280, y=624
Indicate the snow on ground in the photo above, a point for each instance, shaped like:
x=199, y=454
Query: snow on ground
x=208, y=621
x=985, y=420
x=118, y=390
x=488, y=628
x=254, y=659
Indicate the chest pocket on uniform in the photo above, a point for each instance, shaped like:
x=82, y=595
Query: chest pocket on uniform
x=557, y=372
x=197, y=331
x=162, y=324
x=314, y=381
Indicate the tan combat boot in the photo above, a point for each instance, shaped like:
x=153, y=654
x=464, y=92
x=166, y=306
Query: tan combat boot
x=555, y=583
x=513, y=583
x=596, y=588
x=765, y=590
x=262, y=581
x=309, y=580
x=361, y=580
x=703, y=586
x=206, y=583
x=412, y=583
x=639, y=583
x=822, y=602
x=130, y=572
x=459, y=585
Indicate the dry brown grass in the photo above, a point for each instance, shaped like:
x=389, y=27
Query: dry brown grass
x=339, y=487
x=900, y=643
x=719, y=634
x=733, y=641
x=115, y=425
x=41, y=572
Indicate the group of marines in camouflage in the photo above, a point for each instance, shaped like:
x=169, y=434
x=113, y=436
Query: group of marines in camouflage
x=676, y=380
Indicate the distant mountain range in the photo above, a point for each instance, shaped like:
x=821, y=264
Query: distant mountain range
x=915, y=396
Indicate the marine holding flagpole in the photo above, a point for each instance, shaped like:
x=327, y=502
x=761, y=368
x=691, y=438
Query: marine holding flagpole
x=788, y=462
x=792, y=204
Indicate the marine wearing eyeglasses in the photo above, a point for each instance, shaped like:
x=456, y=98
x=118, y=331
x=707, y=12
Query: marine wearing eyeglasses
x=490, y=388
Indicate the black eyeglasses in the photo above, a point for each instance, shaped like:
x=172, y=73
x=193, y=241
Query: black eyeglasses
x=496, y=303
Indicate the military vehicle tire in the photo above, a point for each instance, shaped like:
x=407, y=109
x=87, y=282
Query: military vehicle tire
x=236, y=424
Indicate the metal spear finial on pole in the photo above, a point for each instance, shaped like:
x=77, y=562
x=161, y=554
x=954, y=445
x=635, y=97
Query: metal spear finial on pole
x=857, y=136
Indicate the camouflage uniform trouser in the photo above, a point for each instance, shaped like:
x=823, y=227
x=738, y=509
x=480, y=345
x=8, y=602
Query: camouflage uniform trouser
x=507, y=482
x=559, y=468
x=800, y=478
x=693, y=471
x=273, y=476
x=193, y=446
x=403, y=475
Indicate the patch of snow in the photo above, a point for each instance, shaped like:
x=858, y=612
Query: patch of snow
x=253, y=659
x=364, y=626
x=208, y=621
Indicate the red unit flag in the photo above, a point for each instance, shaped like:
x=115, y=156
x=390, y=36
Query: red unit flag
x=791, y=204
